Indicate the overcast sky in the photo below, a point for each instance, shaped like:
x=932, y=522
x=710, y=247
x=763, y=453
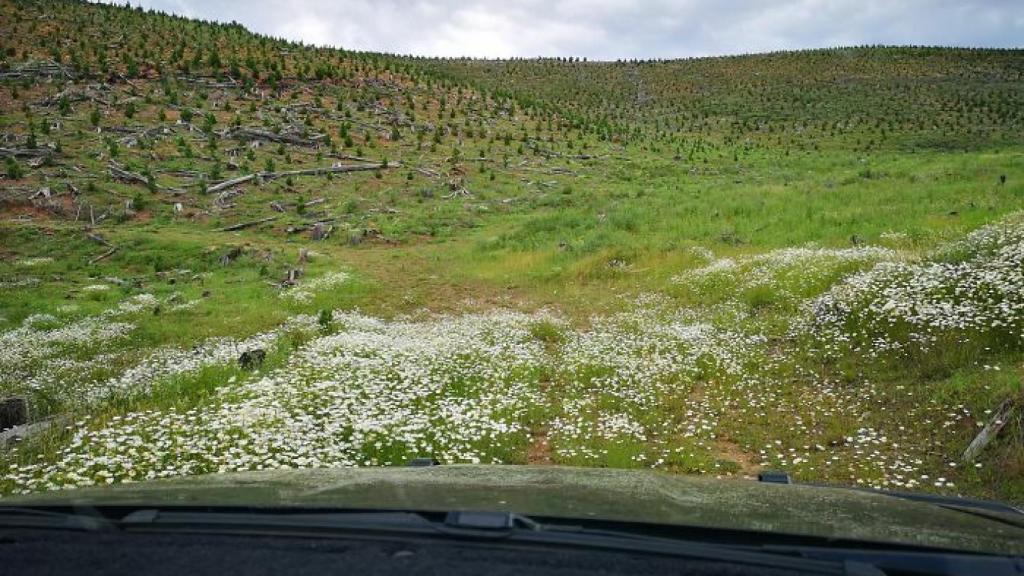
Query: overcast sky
x=611, y=29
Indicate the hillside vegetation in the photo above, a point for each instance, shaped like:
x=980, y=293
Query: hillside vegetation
x=804, y=261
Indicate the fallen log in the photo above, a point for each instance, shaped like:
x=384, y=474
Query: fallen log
x=256, y=134
x=990, y=431
x=230, y=183
x=119, y=172
x=336, y=169
x=98, y=239
x=40, y=152
x=429, y=173
x=12, y=436
x=243, y=225
x=104, y=256
x=35, y=69
x=351, y=157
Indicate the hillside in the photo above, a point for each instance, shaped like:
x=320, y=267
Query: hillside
x=807, y=261
x=864, y=99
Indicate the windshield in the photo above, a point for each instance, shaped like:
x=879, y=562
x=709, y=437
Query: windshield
x=234, y=239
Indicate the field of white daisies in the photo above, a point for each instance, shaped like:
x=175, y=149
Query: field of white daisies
x=876, y=368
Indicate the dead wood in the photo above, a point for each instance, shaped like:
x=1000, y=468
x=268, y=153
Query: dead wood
x=991, y=430
x=336, y=169
x=248, y=224
x=230, y=183
x=242, y=133
x=98, y=239
x=104, y=256
x=40, y=152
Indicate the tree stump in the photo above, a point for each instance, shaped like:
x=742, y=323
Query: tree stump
x=321, y=231
x=252, y=359
x=230, y=256
x=13, y=412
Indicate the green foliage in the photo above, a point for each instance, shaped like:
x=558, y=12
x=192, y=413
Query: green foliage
x=324, y=318
x=13, y=169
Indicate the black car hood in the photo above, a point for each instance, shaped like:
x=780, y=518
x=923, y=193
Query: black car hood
x=594, y=493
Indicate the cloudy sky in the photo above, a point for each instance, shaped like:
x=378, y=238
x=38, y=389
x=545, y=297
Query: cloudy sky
x=610, y=29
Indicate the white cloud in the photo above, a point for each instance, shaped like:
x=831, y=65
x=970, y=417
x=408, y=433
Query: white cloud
x=610, y=29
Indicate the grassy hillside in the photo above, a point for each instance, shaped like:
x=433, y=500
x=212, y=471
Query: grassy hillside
x=807, y=261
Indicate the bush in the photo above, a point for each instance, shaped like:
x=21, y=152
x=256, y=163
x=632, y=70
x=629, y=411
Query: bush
x=14, y=170
x=324, y=319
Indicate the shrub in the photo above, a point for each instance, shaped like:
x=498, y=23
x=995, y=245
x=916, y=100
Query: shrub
x=14, y=170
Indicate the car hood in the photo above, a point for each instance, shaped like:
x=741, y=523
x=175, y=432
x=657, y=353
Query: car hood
x=594, y=493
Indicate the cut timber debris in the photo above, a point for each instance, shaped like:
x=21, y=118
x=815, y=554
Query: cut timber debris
x=11, y=437
x=256, y=134
x=98, y=239
x=121, y=173
x=39, y=152
x=230, y=183
x=992, y=429
x=242, y=225
x=336, y=169
x=47, y=68
x=104, y=256
x=321, y=231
